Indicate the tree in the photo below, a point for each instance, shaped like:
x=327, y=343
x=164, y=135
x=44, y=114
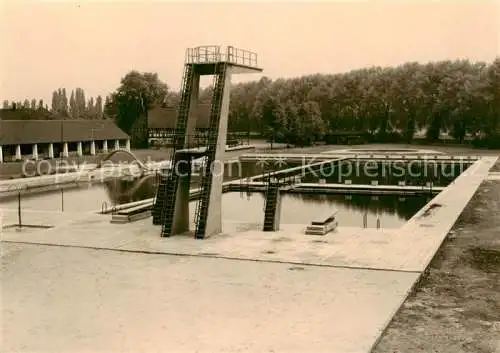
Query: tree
x=80, y=103
x=72, y=106
x=137, y=93
x=33, y=104
x=26, y=104
x=440, y=75
x=109, y=108
x=40, y=104
x=313, y=128
x=91, y=108
x=98, y=107
x=5, y=104
x=64, y=102
x=491, y=89
x=172, y=99
x=60, y=100
x=270, y=113
x=55, y=101
x=392, y=104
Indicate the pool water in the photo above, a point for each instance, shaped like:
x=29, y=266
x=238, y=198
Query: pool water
x=86, y=197
x=391, y=211
x=415, y=173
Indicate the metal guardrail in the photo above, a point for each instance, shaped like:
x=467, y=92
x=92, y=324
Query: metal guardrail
x=324, y=156
x=293, y=171
x=215, y=53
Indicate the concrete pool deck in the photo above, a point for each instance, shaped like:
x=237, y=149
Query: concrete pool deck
x=241, y=290
x=82, y=300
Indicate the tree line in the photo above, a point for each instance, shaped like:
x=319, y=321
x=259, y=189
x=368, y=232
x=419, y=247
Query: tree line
x=390, y=104
x=27, y=104
x=460, y=99
x=76, y=107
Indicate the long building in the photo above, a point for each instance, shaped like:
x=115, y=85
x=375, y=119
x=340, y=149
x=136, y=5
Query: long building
x=161, y=123
x=35, y=139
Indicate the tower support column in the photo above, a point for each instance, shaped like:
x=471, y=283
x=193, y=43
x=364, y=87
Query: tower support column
x=277, y=216
x=214, y=215
x=193, y=104
x=180, y=222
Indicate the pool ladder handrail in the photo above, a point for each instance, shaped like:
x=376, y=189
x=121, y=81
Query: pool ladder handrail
x=104, y=207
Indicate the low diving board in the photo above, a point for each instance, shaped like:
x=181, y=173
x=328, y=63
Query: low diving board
x=323, y=225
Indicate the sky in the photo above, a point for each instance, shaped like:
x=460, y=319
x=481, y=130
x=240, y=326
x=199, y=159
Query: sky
x=92, y=44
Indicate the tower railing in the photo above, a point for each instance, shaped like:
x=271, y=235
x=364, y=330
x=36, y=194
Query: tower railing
x=211, y=54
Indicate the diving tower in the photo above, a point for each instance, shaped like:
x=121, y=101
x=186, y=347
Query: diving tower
x=171, y=207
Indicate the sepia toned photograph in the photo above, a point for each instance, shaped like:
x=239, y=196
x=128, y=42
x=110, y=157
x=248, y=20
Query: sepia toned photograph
x=286, y=177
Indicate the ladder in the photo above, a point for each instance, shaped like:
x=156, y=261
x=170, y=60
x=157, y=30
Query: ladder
x=162, y=181
x=201, y=213
x=164, y=206
x=272, y=194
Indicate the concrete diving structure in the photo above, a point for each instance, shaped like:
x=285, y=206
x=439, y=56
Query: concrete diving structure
x=171, y=208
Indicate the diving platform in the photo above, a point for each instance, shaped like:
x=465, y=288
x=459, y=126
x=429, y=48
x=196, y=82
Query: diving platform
x=206, y=59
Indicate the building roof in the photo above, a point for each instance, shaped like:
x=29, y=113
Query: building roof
x=165, y=118
x=14, y=132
